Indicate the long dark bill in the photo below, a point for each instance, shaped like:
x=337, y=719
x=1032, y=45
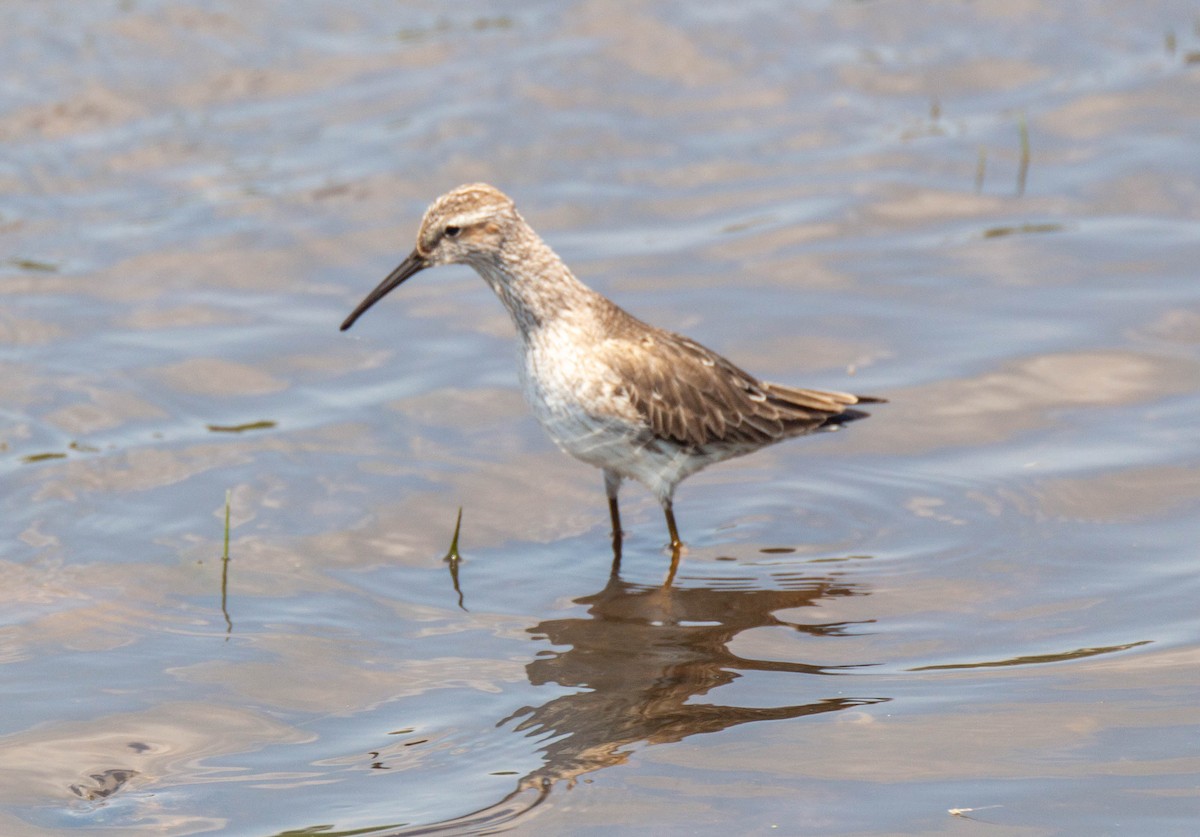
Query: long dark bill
x=414, y=264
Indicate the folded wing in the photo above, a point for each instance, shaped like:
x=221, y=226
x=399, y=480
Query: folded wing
x=671, y=382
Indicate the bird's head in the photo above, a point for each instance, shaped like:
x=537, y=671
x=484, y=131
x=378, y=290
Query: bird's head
x=466, y=225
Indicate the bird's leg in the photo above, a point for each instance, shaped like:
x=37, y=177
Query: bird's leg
x=676, y=544
x=615, y=514
x=612, y=483
x=675, y=550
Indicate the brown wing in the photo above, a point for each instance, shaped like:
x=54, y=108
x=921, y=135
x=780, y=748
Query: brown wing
x=693, y=396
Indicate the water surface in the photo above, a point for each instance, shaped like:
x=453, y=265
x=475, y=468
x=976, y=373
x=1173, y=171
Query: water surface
x=983, y=597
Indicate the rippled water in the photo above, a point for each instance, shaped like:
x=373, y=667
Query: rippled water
x=984, y=597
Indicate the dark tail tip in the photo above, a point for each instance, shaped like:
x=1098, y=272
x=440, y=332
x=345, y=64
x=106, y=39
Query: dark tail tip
x=845, y=417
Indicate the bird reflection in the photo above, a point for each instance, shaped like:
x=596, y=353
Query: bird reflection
x=639, y=660
x=642, y=656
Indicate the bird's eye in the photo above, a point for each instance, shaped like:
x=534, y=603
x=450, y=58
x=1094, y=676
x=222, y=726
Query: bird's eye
x=452, y=232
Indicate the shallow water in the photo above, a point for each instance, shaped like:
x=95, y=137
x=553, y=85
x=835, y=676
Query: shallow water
x=983, y=597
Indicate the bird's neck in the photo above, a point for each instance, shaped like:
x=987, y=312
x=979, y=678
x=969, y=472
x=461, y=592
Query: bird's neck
x=534, y=284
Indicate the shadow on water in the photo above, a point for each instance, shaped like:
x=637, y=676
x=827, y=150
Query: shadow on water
x=638, y=661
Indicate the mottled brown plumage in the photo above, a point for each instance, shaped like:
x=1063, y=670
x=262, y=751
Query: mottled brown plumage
x=611, y=390
x=692, y=396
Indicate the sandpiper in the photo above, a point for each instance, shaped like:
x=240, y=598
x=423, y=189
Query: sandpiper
x=633, y=400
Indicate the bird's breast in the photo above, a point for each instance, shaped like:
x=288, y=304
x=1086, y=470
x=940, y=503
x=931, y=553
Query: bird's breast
x=580, y=400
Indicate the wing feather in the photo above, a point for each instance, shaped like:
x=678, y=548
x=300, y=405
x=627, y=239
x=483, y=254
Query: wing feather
x=692, y=396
